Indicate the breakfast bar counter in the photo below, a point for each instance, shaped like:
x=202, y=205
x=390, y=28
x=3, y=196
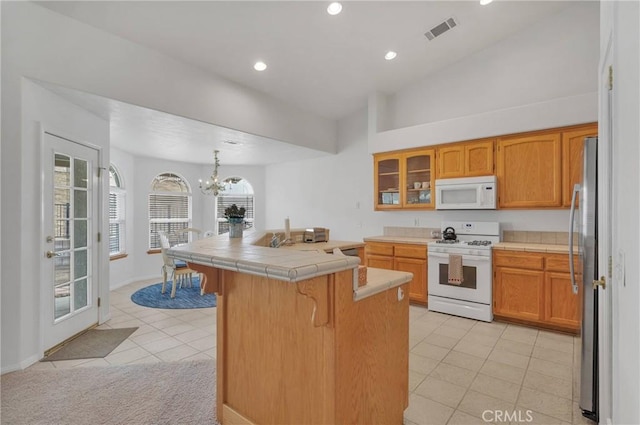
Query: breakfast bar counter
x=298, y=342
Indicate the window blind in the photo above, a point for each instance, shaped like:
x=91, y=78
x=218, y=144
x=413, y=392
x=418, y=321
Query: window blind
x=169, y=209
x=226, y=201
x=116, y=222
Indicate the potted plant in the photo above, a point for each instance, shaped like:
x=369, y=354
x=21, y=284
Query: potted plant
x=235, y=216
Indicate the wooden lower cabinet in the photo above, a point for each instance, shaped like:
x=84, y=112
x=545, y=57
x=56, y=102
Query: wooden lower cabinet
x=418, y=286
x=410, y=258
x=380, y=262
x=560, y=306
x=518, y=293
x=535, y=288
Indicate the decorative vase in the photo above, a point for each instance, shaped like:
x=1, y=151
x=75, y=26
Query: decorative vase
x=235, y=227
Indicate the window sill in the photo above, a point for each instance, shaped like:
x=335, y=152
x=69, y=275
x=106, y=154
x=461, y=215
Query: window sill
x=117, y=257
x=153, y=251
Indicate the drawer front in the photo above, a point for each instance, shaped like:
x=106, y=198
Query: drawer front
x=560, y=263
x=519, y=260
x=379, y=248
x=411, y=251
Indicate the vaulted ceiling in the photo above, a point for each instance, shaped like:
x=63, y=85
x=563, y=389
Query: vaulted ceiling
x=323, y=64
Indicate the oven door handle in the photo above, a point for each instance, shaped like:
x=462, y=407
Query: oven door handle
x=464, y=256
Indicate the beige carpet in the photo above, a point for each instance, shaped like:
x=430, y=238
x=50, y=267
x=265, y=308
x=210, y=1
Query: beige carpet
x=94, y=343
x=145, y=394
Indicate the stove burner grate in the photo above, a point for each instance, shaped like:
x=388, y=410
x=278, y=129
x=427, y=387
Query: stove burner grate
x=479, y=243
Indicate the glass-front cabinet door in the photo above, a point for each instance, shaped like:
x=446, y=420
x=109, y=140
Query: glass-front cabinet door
x=404, y=179
x=419, y=175
x=387, y=181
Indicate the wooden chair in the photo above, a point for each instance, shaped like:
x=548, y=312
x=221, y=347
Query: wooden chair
x=179, y=269
x=195, y=233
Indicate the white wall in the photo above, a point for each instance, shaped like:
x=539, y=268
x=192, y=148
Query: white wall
x=555, y=58
x=21, y=227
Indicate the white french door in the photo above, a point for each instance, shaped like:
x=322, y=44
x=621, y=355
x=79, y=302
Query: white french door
x=70, y=202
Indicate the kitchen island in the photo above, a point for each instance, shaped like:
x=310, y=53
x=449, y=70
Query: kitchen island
x=298, y=341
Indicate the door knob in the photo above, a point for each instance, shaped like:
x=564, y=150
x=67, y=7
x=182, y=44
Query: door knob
x=601, y=282
x=51, y=254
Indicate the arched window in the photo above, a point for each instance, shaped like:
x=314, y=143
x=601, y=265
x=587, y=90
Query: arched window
x=169, y=208
x=117, y=209
x=237, y=191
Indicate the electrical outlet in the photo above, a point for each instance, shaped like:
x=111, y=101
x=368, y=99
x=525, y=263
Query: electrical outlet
x=357, y=205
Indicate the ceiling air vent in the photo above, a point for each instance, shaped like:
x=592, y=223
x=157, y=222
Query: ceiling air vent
x=441, y=28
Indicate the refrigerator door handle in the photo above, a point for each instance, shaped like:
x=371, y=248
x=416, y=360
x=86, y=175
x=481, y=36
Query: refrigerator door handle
x=572, y=216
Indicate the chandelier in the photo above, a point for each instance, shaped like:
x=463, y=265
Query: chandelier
x=213, y=186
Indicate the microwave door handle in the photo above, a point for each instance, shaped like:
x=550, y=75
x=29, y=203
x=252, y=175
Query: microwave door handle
x=572, y=216
x=481, y=195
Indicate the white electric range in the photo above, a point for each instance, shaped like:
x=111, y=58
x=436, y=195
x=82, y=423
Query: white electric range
x=473, y=297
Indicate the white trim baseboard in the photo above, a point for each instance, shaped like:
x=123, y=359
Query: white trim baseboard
x=22, y=365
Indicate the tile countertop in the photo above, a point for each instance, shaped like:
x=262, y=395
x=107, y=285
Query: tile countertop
x=400, y=239
x=248, y=255
x=512, y=246
x=323, y=246
x=534, y=247
x=380, y=280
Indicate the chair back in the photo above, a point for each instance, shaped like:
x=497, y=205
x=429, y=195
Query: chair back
x=194, y=232
x=164, y=245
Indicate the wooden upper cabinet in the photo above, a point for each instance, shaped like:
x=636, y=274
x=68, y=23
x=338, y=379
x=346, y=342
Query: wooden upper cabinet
x=466, y=159
x=387, y=179
x=478, y=158
x=404, y=179
x=451, y=161
x=572, y=158
x=419, y=179
x=529, y=171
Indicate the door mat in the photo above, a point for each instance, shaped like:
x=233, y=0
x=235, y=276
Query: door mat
x=94, y=343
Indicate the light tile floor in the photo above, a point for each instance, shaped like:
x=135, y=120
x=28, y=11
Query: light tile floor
x=461, y=371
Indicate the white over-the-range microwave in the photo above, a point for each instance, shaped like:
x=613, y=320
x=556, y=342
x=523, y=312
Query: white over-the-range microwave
x=467, y=193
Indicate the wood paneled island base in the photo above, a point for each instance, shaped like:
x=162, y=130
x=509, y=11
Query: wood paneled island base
x=306, y=353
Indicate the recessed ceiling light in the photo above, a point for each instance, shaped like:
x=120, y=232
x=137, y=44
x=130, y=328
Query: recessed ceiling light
x=260, y=66
x=485, y=2
x=390, y=55
x=334, y=8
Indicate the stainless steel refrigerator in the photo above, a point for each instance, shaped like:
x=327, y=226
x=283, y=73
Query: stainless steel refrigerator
x=584, y=222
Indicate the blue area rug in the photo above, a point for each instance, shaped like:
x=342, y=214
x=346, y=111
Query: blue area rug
x=185, y=297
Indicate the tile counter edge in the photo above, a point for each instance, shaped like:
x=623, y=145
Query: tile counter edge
x=380, y=280
x=244, y=256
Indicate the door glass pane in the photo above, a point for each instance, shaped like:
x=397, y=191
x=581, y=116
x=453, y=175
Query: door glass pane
x=80, y=263
x=62, y=300
x=80, y=294
x=79, y=233
x=80, y=206
x=80, y=173
x=62, y=170
x=62, y=267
